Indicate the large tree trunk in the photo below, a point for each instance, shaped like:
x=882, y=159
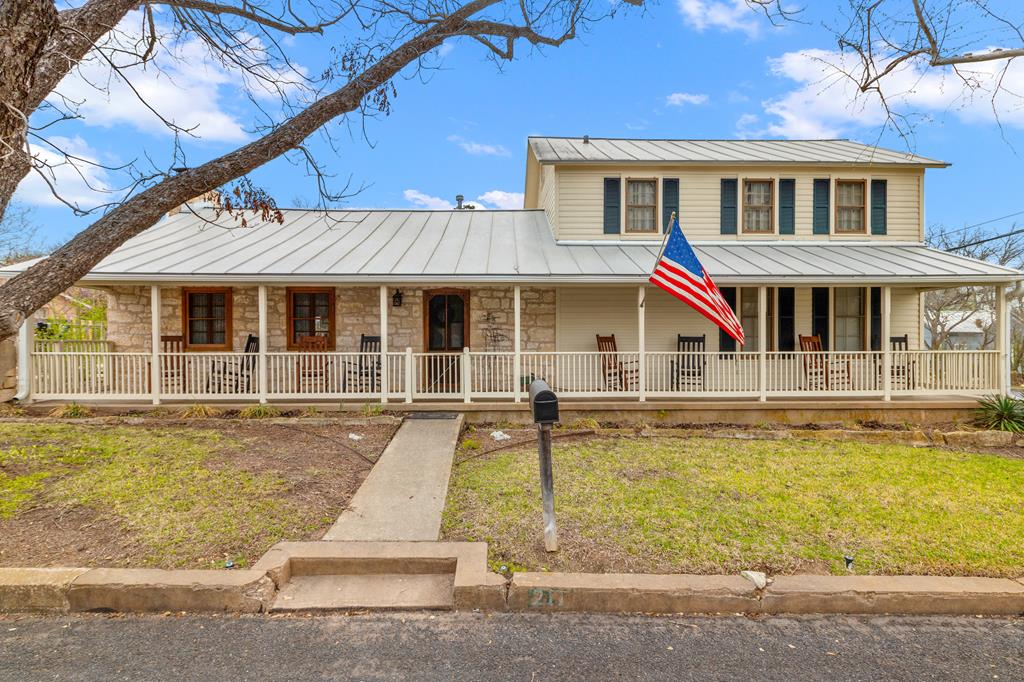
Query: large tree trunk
x=26, y=26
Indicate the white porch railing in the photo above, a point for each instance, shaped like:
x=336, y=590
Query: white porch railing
x=494, y=375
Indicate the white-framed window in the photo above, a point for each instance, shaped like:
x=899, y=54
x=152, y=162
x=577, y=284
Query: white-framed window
x=758, y=206
x=851, y=207
x=641, y=205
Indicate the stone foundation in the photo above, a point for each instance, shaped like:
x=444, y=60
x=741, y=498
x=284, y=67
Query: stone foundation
x=357, y=311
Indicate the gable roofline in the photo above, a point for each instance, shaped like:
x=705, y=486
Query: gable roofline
x=717, y=152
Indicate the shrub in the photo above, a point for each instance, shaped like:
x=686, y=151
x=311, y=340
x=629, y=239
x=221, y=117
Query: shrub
x=199, y=411
x=310, y=411
x=71, y=411
x=470, y=444
x=585, y=423
x=372, y=409
x=259, y=411
x=1001, y=413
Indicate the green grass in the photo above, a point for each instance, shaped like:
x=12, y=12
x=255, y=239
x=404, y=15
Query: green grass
x=720, y=506
x=164, y=487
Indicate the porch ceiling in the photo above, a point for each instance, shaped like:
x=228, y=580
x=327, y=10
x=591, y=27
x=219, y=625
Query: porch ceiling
x=375, y=247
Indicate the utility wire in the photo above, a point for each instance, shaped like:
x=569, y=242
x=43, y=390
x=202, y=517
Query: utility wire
x=985, y=222
x=987, y=239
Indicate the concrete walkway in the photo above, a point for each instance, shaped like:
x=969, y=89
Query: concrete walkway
x=403, y=497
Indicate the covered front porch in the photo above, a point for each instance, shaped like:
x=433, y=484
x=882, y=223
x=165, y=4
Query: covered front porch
x=445, y=343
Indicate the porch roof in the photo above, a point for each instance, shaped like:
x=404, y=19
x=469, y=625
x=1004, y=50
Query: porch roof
x=409, y=246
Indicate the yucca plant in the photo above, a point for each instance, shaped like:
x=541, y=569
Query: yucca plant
x=1000, y=413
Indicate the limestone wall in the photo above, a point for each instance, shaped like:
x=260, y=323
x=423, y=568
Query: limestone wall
x=357, y=312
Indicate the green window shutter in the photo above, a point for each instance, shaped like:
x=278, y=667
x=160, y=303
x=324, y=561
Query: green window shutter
x=822, y=206
x=669, y=200
x=879, y=206
x=787, y=206
x=612, y=205
x=727, y=344
x=876, y=318
x=819, y=314
x=787, y=319
x=730, y=206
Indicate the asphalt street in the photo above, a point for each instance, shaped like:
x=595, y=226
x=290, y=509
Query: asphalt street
x=473, y=646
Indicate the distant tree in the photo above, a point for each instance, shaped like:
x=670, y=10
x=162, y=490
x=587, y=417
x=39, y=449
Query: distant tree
x=947, y=311
x=19, y=235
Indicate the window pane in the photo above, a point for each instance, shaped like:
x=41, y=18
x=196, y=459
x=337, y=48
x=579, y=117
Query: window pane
x=849, y=323
x=758, y=194
x=748, y=318
x=642, y=192
x=757, y=219
x=641, y=219
x=850, y=193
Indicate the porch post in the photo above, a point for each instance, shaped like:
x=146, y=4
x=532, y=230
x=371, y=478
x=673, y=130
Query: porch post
x=409, y=374
x=154, y=363
x=263, y=343
x=886, y=345
x=26, y=333
x=762, y=342
x=383, y=343
x=517, y=345
x=641, y=333
x=1002, y=339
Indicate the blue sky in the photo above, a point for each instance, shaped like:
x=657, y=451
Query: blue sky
x=686, y=69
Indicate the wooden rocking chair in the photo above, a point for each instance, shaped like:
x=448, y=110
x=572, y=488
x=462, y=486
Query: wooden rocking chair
x=618, y=374
x=235, y=374
x=363, y=374
x=688, y=367
x=311, y=364
x=820, y=372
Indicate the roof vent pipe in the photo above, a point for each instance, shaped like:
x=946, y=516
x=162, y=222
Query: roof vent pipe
x=586, y=139
x=458, y=201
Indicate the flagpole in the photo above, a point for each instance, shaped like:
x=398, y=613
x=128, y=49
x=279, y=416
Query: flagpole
x=664, y=240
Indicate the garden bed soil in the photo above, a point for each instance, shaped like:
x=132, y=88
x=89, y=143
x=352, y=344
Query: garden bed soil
x=317, y=468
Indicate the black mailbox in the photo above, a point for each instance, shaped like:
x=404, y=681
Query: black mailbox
x=543, y=402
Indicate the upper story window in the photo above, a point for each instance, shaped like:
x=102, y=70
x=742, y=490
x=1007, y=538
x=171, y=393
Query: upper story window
x=758, y=208
x=207, y=318
x=641, y=206
x=850, y=206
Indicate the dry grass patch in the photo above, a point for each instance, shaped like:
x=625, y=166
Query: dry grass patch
x=719, y=506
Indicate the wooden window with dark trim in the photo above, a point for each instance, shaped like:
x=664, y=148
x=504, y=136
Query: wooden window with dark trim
x=749, y=319
x=642, y=205
x=851, y=207
x=310, y=313
x=206, y=318
x=758, y=206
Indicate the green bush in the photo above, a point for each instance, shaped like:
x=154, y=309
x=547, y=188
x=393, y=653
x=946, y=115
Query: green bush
x=71, y=411
x=1001, y=413
x=259, y=412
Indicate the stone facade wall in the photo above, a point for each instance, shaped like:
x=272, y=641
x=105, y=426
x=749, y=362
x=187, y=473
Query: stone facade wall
x=357, y=312
x=8, y=369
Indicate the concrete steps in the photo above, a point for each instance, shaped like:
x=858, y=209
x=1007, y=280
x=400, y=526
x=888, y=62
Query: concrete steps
x=380, y=592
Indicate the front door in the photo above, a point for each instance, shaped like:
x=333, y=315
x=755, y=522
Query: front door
x=446, y=328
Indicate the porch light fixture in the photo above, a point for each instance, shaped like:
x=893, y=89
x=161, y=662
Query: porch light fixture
x=396, y=299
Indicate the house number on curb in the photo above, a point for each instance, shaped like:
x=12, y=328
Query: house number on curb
x=538, y=598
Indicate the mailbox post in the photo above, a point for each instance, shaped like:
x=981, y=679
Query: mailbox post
x=544, y=405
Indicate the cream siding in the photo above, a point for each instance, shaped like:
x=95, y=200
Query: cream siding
x=580, y=200
x=549, y=193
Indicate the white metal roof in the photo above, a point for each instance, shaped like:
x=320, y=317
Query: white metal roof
x=803, y=152
x=408, y=246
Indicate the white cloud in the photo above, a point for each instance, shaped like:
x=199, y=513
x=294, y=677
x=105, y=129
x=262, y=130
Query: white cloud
x=478, y=148
x=727, y=15
x=422, y=200
x=827, y=103
x=500, y=199
x=183, y=83
x=82, y=182
x=678, y=99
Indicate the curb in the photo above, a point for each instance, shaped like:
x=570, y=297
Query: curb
x=797, y=594
x=64, y=590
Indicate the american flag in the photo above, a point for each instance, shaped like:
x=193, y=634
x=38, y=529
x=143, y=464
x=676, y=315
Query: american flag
x=680, y=273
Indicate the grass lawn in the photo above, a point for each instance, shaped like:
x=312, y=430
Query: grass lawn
x=721, y=506
x=174, y=496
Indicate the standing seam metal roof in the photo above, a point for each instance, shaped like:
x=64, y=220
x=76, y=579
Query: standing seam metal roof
x=451, y=246
x=811, y=152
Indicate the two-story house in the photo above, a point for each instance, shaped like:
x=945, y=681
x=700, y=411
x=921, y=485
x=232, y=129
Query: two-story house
x=816, y=243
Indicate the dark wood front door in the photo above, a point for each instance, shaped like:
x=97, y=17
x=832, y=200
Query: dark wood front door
x=445, y=330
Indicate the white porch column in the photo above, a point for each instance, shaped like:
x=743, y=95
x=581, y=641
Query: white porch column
x=886, y=314
x=383, y=343
x=641, y=334
x=762, y=342
x=154, y=363
x=1003, y=339
x=262, y=305
x=517, y=344
x=26, y=333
